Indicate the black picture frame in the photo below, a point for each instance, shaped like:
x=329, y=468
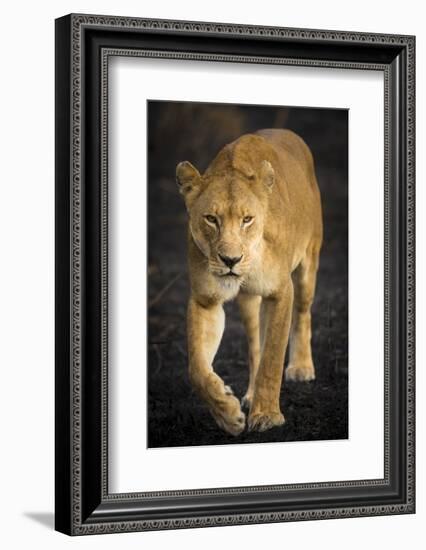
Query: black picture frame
x=83, y=45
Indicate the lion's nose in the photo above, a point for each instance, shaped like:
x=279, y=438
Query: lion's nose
x=228, y=261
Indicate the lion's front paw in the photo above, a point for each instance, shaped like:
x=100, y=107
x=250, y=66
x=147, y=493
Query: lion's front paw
x=246, y=401
x=232, y=420
x=300, y=372
x=262, y=421
x=228, y=414
x=224, y=406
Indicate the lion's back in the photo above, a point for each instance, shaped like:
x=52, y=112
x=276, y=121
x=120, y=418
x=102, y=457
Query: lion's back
x=286, y=142
x=299, y=180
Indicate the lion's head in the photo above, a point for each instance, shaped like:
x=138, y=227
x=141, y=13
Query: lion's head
x=227, y=209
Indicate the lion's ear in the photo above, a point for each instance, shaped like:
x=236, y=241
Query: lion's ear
x=187, y=177
x=267, y=174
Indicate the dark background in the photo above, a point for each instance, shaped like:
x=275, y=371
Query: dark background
x=196, y=132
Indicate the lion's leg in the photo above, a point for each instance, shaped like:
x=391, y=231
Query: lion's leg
x=301, y=366
x=205, y=329
x=275, y=318
x=249, y=309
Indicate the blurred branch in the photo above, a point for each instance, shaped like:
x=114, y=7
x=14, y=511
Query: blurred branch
x=168, y=341
x=163, y=291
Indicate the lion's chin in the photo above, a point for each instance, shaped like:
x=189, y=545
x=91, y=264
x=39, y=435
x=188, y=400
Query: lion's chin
x=230, y=284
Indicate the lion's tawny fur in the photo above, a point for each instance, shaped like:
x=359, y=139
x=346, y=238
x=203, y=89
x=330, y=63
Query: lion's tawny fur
x=254, y=234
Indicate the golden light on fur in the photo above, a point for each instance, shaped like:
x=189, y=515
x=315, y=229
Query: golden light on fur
x=254, y=234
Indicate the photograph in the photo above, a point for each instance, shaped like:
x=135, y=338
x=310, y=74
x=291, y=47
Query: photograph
x=247, y=273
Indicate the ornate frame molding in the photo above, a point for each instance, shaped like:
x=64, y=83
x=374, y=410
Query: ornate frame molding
x=73, y=49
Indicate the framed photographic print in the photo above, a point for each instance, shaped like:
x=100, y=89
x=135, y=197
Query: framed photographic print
x=234, y=274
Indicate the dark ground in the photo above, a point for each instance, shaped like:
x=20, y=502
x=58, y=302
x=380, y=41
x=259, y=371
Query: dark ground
x=315, y=410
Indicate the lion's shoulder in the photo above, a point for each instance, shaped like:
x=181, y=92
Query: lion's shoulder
x=287, y=141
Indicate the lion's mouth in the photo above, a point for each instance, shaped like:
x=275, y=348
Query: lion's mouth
x=222, y=274
x=230, y=274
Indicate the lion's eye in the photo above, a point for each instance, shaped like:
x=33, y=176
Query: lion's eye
x=211, y=219
x=247, y=219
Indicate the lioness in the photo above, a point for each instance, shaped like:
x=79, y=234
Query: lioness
x=254, y=234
